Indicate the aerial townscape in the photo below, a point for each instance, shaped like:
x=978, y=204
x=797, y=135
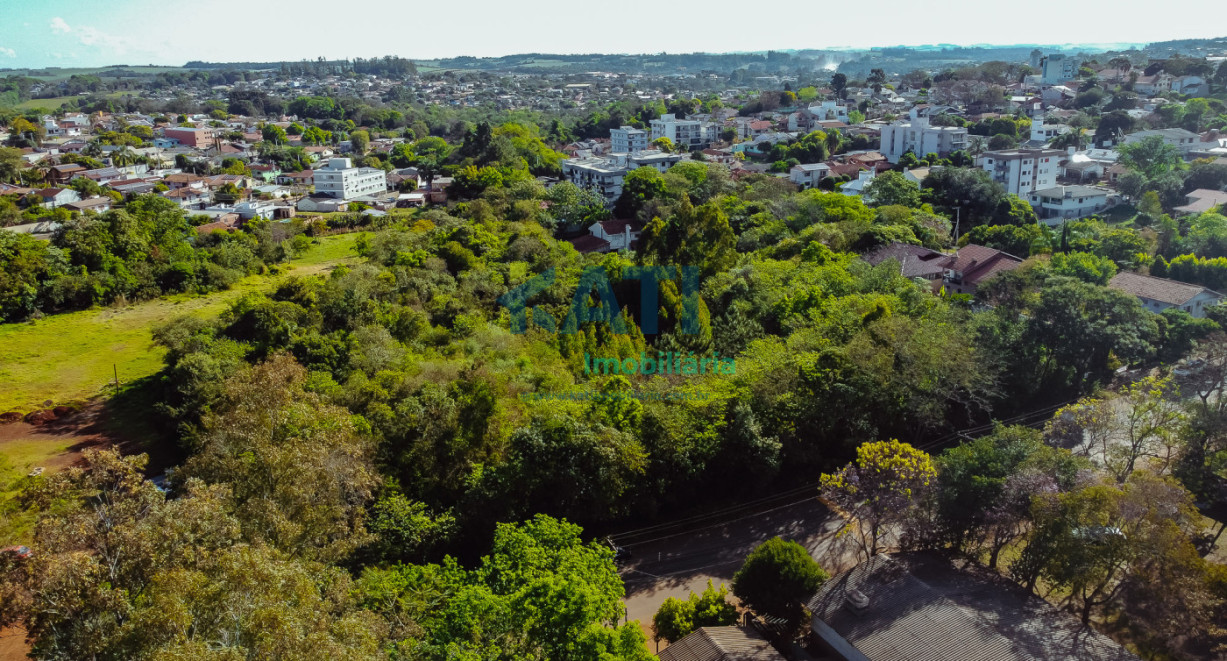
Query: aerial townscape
x=882, y=353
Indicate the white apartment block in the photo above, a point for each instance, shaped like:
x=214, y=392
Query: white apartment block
x=628, y=139
x=1059, y=68
x=341, y=180
x=919, y=137
x=688, y=133
x=604, y=174
x=1022, y=170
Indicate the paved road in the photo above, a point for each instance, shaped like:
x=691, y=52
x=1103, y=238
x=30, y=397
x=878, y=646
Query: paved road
x=673, y=560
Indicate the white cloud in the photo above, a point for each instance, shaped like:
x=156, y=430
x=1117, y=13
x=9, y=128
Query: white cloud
x=7, y=52
x=58, y=26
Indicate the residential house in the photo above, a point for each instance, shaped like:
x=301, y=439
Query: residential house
x=58, y=197
x=721, y=644
x=1202, y=199
x=304, y=178
x=1058, y=203
x=183, y=180
x=95, y=204
x=619, y=234
x=857, y=186
x=102, y=175
x=1181, y=139
x=973, y=264
x=1022, y=170
x=1159, y=294
x=321, y=204
x=914, y=261
x=1042, y=134
x=926, y=607
x=189, y=197
x=61, y=174
x=807, y=175
x=1058, y=68
x=267, y=173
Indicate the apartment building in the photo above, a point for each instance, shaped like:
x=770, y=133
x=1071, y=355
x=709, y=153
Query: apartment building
x=1022, y=171
x=688, y=133
x=628, y=139
x=604, y=174
x=341, y=180
x=918, y=136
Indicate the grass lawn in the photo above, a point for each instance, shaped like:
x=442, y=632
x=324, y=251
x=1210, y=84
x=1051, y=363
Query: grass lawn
x=52, y=103
x=74, y=356
x=17, y=458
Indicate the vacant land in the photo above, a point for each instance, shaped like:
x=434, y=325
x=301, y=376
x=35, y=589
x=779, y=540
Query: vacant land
x=75, y=356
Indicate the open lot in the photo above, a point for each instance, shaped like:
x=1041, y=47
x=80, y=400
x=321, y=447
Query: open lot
x=75, y=356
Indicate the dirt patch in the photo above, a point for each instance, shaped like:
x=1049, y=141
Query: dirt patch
x=82, y=428
x=13, y=644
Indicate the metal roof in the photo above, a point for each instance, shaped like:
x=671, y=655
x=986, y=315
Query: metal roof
x=923, y=608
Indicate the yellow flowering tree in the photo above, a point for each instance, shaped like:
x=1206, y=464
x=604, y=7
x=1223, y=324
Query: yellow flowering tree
x=877, y=490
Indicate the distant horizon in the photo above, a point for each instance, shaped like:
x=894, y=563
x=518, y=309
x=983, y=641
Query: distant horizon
x=1088, y=46
x=92, y=35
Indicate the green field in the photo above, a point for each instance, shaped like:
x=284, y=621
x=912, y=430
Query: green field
x=52, y=103
x=17, y=458
x=74, y=356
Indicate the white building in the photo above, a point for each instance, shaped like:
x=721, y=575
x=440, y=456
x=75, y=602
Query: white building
x=1181, y=139
x=1159, y=294
x=687, y=133
x=605, y=174
x=341, y=180
x=807, y=175
x=1022, y=170
x=1058, y=203
x=628, y=139
x=919, y=137
x=856, y=187
x=1059, y=68
x=1042, y=134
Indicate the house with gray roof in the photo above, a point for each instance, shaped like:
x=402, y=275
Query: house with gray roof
x=923, y=607
x=1159, y=294
x=721, y=644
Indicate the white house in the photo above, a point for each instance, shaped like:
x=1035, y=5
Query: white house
x=920, y=138
x=620, y=234
x=1181, y=139
x=807, y=175
x=857, y=186
x=1058, y=203
x=56, y=197
x=1159, y=294
x=339, y=179
x=1022, y=170
x=1042, y=134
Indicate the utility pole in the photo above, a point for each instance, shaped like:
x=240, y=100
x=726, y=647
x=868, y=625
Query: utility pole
x=116, y=368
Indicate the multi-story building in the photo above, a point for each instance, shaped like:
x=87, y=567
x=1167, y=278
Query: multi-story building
x=341, y=180
x=199, y=137
x=1059, y=203
x=604, y=174
x=628, y=139
x=1022, y=170
x=807, y=175
x=919, y=137
x=1058, y=68
x=688, y=133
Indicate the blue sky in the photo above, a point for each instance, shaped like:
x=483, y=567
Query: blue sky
x=37, y=33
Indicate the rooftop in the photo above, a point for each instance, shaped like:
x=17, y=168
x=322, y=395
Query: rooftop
x=1156, y=289
x=923, y=608
x=721, y=644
